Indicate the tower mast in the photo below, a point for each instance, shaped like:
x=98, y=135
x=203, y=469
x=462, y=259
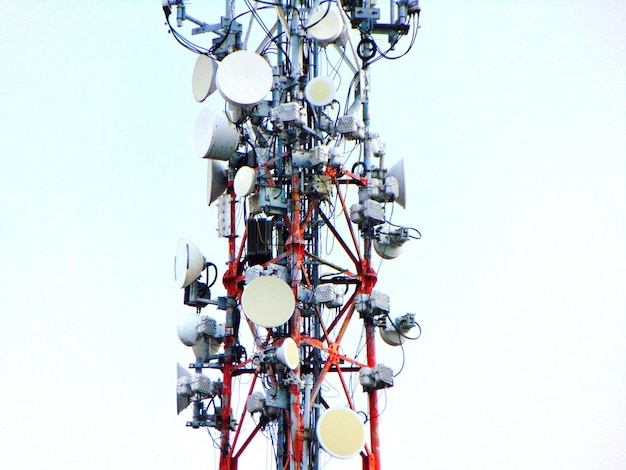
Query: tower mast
x=284, y=156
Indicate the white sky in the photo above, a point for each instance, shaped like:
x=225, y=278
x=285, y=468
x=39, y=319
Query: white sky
x=511, y=117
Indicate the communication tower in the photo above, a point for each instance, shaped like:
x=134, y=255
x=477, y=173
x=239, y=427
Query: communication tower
x=289, y=351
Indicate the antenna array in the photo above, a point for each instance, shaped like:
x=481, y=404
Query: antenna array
x=284, y=156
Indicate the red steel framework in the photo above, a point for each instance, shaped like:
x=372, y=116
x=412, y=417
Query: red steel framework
x=363, y=278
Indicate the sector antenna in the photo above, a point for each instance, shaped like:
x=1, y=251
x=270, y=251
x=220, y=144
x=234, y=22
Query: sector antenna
x=285, y=347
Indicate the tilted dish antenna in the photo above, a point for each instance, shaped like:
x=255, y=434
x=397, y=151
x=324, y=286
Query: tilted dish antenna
x=214, y=136
x=397, y=171
x=216, y=181
x=288, y=353
x=325, y=25
x=203, y=80
x=188, y=263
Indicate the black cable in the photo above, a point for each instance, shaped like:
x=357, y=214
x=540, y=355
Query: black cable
x=209, y=264
x=329, y=2
x=384, y=55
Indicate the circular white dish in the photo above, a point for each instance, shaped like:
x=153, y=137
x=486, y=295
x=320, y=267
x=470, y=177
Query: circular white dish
x=320, y=91
x=341, y=432
x=245, y=181
x=268, y=301
x=244, y=78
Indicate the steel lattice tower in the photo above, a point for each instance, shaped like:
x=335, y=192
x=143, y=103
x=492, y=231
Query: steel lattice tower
x=284, y=158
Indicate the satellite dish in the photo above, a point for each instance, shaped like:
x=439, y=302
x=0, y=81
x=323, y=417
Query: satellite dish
x=183, y=388
x=203, y=79
x=188, y=263
x=215, y=137
x=216, y=181
x=325, y=25
x=320, y=91
x=244, y=78
x=268, y=301
x=245, y=181
x=288, y=353
x=341, y=432
x=397, y=171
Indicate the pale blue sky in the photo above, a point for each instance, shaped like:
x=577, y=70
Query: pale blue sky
x=511, y=118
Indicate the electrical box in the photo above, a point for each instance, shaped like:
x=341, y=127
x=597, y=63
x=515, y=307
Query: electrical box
x=223, y=215
x=318, y=187
x=287, y=112
x=375, y=378
x=270, y=199
x=202, y=384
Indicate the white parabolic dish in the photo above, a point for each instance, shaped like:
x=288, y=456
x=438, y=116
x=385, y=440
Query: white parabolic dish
x=320, y=91
x=325, y=24
x=214, y=136
x=203, y=79
x=188, y=263
x=341, y=432
x=268, y=301
x=244, y=78
x=289, y=354
x=245, y=180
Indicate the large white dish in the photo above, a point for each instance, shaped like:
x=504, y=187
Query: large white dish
x=341, y=432
x=244, y=78
x=215, y=136
x=268, y=301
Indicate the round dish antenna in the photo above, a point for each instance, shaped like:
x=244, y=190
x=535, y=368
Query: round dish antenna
x=214, y=137
x=244, y=78
x=203, y=79
x=188, y=263
x=325, y=25
x=245, y=181
x=320, y=91
x=341, y=432
x=288, y=353
x=268, y=301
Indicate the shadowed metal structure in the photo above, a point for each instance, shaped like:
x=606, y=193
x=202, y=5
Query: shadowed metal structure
x=299, y=279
